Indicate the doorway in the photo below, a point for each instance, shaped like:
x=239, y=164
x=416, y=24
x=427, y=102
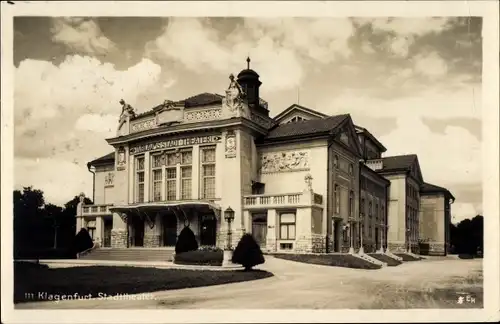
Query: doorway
x=169, y=230
x=138, y=231
x=208, y=229
x=259, y=228
x=377, y=239
x=337, y=232
x=108, y=226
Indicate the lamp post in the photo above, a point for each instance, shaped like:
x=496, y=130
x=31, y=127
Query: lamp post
x=229, y=217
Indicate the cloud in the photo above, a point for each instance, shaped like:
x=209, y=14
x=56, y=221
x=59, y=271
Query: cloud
x=279, y=48
x=59, y=179
x=97, y=123
x=64, y=112
x=431, y=65
x=446, y=157
x=461, y=211
x=81, y=35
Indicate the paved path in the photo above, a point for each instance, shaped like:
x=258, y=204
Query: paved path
x=294, y=285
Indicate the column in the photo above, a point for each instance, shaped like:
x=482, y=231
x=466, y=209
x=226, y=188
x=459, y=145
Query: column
x=99, y=228
x=195, y=175
x=147, y=177
x=272, y=230
x=131, y=179
x=119, y=237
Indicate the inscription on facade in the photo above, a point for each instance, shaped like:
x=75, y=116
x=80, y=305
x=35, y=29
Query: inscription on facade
x=284, y=161
x=175, y=143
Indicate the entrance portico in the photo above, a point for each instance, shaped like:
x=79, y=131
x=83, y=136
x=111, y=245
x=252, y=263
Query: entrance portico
x=159, y=224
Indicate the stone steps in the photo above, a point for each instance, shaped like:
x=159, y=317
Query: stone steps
x=370, y=259
x=134, y=254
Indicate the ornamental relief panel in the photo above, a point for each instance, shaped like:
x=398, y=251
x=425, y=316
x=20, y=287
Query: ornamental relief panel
x=260, y=120
x=285, y=161
x=109, y=180
x=143, y=125
x=202, y=115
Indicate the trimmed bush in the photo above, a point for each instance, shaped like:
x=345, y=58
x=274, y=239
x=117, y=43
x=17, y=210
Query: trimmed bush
x=186, y=241
x=199, y=257
x=248, y=252
x=82, y=241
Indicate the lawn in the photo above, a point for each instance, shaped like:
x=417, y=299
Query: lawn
x=407, y=257
x=385, y=258
x=334, y=260
x=31, y=279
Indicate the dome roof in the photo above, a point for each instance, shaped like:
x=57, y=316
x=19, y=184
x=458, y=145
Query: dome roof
x=248, y=73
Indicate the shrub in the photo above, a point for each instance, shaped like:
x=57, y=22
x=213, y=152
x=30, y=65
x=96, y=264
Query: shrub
x=199, y=257
x=186, y=241
x=248, y=253
x=82, y=241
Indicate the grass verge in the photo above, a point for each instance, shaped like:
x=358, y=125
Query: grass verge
x=385, y=258
x=334, y=260
x=98, y=281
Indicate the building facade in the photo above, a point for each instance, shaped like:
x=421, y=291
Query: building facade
x=300, y=182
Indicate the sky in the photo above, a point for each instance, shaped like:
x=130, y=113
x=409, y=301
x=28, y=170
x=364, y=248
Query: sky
x=415, y=83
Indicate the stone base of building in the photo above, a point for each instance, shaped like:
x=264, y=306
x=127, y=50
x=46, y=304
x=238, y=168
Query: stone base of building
x=151, y=240
x=315, y=243
x=433, y=248
x=119, y=238
x=397, y=247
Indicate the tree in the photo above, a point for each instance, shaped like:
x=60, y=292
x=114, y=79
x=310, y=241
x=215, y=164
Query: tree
x=82, y=241
x=248, y=252
x=186, y=241
x=53, y=215
x=467, y=236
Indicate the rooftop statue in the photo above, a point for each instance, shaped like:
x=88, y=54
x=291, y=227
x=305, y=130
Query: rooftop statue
x=234, y=95
x=127, y=110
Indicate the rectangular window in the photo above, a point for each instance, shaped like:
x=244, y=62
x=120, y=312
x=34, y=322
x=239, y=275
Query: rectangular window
x=287, y=226
x=362, y=207
x=139, y=179
x=208, y=172
x=286, y=246
x=186, y=174
x=157, y=176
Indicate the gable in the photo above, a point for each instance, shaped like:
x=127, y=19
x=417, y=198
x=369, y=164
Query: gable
x=346, y=135
x=297, y=113
x=416, y=172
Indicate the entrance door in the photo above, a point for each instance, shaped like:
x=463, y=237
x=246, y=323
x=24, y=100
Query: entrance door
x=138, y=235
x=259, y=229
x=169, y=230
x=377, y=239
x=336, y=235
x=208, y=229
x=108, y=225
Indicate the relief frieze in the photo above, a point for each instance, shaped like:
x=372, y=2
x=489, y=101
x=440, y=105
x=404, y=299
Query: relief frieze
x=143, y=125
x=201, y=115
x=284, y=161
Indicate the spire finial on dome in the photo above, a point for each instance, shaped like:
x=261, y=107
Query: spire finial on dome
x=248, y=62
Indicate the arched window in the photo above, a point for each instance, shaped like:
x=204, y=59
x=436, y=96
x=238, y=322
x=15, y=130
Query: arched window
x=336, y=196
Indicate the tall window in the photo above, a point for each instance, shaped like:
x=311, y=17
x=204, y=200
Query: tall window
x=336, y=195
x=376, y=213
x=351, y=169
x=287, y=226
x=336, y=162
x=139, y=179
x=351, y=204
x=362, y=207
x=156, y=175
x=208, y=172
x=186, y=174
x=370, y=209
x=171, y=176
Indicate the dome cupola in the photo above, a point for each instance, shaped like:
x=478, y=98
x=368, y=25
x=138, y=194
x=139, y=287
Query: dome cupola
x=249, y=81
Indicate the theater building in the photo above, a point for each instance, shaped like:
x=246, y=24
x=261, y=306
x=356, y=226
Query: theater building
x=300, y=182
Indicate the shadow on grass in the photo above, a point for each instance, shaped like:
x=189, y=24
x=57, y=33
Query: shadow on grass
x=33, y=282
